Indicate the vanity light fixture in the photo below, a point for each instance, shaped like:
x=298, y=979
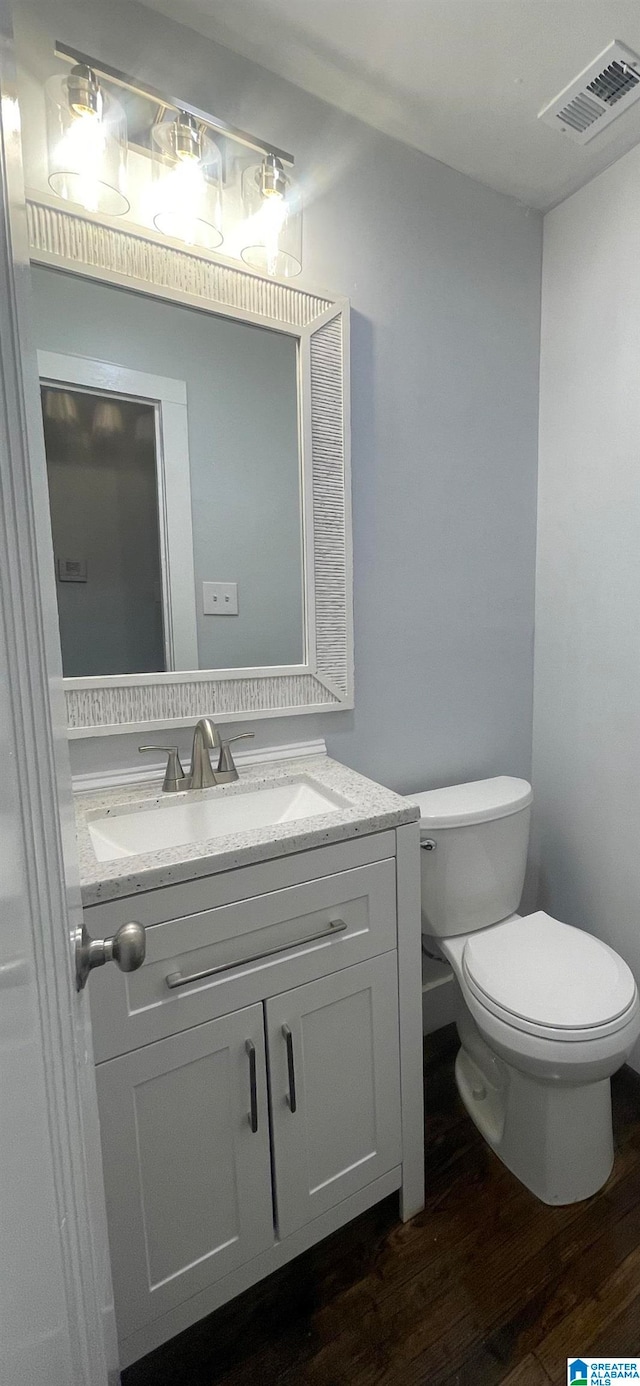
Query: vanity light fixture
x=86, y=142
x=186, y=167
x=186, y=182
x=272, y=230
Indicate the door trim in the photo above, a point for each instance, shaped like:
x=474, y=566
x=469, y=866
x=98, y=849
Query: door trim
x=173, y=482
x=37, y=738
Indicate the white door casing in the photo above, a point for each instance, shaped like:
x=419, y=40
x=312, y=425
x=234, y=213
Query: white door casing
x=52, y=1226
x=173, y=478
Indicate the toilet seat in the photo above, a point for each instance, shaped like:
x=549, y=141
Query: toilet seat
x=546, y=978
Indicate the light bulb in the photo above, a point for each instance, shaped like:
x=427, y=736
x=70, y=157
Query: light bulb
x=266, y=226
x=272, y=228
x=81, y=149
x=186, y=183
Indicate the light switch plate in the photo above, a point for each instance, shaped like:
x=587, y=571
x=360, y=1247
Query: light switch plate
x=220, y=598
x=72, y=569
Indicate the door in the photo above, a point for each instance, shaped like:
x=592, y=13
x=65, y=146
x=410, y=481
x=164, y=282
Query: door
x=54, y=1270
x=335, y=1088
x=185, y=1136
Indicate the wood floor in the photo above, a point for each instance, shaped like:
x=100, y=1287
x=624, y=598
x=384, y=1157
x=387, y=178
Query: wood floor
x=486, y=1286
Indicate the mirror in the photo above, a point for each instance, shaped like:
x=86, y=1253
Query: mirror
x=172, y=439
x=196, y=418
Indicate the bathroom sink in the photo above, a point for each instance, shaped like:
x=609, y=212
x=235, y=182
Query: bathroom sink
x=179, y=821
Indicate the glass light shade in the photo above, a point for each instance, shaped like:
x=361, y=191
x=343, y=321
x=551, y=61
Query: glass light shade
x=186, y=183
x=86, y=143
x=60, y=407
x=107, y=419
x=272, y=228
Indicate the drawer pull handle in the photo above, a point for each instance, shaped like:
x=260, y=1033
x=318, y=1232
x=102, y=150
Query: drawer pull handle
x=253, y=1114
x=176, y=979
x=291, y=1068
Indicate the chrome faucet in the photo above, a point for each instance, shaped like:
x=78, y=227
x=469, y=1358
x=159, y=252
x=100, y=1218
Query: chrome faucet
x=206, y=738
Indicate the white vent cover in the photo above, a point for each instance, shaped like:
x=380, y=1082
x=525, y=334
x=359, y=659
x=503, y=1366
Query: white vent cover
x=603, y=91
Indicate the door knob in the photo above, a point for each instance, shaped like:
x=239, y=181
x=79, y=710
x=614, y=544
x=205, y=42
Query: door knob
x=127, y=948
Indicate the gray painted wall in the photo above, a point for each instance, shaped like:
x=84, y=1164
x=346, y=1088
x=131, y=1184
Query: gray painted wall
x=587, y=730
x=444, y=279
x=243, y=448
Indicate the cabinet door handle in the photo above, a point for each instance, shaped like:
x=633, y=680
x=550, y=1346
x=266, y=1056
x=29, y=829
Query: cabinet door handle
x=176, y=979
x=291, y=1067
x=253, y=1086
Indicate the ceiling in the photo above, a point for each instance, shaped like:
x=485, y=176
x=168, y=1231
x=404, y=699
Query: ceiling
x=462, y=80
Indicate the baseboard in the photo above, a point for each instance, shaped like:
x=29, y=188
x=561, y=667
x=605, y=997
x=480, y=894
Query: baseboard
x=141, y=774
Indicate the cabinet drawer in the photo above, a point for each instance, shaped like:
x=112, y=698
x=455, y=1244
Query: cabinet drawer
x=249, y=950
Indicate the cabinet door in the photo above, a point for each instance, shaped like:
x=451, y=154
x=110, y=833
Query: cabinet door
x=186, y=1162
x=335, y=1088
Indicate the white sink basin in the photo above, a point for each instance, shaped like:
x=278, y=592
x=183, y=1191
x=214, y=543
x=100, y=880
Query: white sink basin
x=181, y=820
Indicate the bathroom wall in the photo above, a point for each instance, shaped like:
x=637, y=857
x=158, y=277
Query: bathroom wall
x=586, y=762
x=243, y=449
x=444, y=280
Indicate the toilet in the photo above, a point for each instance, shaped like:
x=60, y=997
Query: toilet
x=546, y=1012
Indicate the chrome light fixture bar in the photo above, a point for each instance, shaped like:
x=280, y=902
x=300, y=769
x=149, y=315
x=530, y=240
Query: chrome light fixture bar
x=220, y=127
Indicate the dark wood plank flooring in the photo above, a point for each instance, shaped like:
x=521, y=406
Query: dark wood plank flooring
x=486, y=1287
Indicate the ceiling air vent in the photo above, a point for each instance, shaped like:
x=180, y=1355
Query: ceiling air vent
x=603, y=91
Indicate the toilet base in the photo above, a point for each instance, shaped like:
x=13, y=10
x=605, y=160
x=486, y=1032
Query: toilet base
x=555, y=1137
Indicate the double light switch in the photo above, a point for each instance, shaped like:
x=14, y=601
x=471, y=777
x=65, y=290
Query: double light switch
x=220, y=598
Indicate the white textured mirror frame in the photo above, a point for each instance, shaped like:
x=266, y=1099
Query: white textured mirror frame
x=82, y=244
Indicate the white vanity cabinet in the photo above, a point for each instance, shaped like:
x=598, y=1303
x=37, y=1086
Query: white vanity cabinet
x=187, y=1180
x=335, y=1088
x=253, y=1076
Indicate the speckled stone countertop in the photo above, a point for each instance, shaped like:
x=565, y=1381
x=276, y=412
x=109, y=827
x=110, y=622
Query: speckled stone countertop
x=370, y=808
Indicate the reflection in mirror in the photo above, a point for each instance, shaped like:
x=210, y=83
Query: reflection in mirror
x=101, y=468
x=173, y=456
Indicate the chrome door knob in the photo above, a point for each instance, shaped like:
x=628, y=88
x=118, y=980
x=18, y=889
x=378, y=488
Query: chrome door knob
x=127, y=948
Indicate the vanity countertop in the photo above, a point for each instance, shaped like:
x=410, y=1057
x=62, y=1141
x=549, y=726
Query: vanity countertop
x=370, y=808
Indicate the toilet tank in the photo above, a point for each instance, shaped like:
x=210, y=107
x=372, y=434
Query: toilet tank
x=473, y=853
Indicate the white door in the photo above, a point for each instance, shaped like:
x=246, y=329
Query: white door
x=185, y=1135
x=335, y=1088
x=55, y=1318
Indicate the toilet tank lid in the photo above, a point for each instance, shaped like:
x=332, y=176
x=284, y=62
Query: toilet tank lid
x=477, y=802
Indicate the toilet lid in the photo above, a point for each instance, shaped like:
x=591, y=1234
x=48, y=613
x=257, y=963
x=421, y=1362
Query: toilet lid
x=548, y=973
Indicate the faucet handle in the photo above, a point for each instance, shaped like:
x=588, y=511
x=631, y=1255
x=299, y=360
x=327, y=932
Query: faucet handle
x=174, y=777
x=226, y=763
